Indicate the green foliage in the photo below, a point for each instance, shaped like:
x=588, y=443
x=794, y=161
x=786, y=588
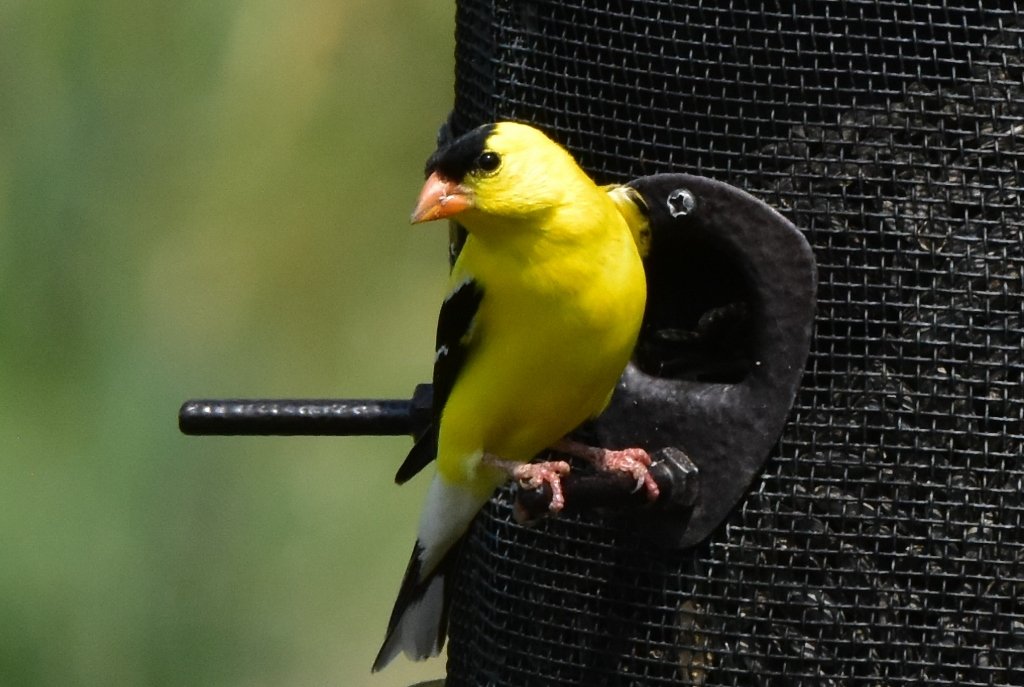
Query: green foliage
x=208, y=198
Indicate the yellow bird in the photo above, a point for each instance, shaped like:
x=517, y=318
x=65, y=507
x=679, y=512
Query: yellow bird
x=545, y=305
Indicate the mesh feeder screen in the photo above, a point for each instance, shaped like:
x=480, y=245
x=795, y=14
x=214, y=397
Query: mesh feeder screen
x=884, y=542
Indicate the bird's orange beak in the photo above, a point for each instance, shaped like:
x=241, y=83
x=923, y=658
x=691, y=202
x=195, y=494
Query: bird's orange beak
x=440, y=198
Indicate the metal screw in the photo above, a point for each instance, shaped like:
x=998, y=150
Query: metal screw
x=681, y=202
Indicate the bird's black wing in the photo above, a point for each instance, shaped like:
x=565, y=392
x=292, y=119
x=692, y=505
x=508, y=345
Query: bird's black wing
x=454, y=330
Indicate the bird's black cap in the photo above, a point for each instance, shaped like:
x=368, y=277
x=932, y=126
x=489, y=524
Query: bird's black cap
x=458, y=158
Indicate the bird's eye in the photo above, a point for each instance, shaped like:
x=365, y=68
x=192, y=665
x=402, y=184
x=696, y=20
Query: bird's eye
x=488, y=161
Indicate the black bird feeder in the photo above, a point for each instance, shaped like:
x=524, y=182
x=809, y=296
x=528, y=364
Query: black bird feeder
x=882, y=543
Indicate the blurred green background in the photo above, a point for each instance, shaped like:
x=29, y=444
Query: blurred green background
x=209, y=198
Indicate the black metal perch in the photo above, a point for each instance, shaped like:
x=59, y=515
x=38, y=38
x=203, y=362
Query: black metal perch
x=675, y=474
x=307, y=417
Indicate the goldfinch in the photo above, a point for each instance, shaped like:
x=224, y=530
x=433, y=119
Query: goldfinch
x=543, y=312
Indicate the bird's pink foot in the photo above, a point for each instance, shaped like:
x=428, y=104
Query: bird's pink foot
x=536, y=475
x=634, y=461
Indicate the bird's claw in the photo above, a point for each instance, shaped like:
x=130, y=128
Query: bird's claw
x=536, y=475
x=634, y=461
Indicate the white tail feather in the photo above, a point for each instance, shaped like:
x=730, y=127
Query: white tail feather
x=417, y=633
x=416, y=621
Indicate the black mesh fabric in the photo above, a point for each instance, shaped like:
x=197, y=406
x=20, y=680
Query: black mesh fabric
x=884, y=543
